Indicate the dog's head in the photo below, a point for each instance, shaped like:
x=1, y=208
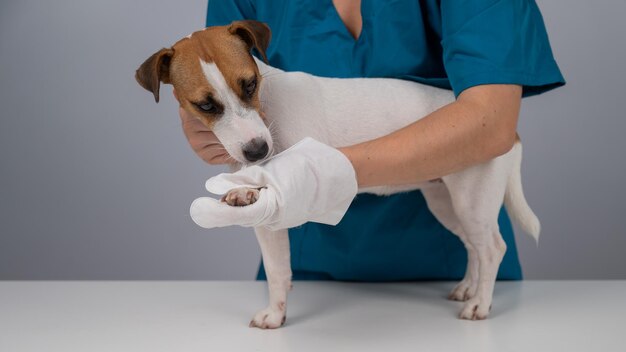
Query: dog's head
x=217, y=80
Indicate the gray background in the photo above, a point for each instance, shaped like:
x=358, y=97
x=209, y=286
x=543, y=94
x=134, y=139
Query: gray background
x=96, y=179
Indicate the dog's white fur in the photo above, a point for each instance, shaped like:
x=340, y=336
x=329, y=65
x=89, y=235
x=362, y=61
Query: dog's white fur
x=341, y=112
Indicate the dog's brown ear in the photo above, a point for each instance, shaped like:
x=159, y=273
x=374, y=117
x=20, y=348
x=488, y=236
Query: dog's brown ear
x=256, y=34
x=154, y=70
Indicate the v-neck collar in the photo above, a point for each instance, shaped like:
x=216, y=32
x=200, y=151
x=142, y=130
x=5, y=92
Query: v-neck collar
x=337, y=18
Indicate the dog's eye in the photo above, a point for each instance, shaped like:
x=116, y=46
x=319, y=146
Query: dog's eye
x=250, y=87
x=207, y=107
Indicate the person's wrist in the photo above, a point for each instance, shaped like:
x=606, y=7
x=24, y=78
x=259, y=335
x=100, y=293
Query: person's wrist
x=352, y=154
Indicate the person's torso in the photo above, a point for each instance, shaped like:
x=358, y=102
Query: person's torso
x=380, y=238
x=399, y=39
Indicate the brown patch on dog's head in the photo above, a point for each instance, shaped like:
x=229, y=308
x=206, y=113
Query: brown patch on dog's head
x=256, y=35
x=228, y=47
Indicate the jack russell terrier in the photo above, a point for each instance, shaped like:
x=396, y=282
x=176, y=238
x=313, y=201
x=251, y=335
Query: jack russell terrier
x=218, y=81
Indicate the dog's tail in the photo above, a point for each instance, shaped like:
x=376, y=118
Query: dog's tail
x=514, y=199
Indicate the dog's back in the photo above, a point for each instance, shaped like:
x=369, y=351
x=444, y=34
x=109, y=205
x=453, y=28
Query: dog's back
x=342, y=111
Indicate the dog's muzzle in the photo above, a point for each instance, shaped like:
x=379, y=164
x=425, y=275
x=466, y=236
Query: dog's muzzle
x=255, y=150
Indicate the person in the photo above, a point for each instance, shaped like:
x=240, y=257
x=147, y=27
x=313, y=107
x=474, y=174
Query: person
x=490, y=53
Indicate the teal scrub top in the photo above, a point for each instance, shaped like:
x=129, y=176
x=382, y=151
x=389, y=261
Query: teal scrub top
x=452, y=44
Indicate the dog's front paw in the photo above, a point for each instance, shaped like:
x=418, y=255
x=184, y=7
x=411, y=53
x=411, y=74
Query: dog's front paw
x=240, y=197
x=268, y=318
x=463, y=291
x=476, y=309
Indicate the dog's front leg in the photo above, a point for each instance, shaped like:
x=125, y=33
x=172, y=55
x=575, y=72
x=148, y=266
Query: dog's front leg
x=276, y=260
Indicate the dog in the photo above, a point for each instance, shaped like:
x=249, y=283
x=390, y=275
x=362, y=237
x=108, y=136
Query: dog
x=238, y=96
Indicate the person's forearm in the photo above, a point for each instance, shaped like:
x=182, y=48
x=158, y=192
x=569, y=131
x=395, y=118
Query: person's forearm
x=478, y=127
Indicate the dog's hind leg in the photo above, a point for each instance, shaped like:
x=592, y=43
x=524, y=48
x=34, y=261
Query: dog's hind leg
x=477, y=194
x=440, y=205
x=277, y=263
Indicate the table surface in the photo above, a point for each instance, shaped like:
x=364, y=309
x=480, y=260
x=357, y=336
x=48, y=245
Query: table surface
x=322, y=316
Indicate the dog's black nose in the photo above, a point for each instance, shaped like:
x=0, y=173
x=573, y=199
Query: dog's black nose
x=255, y=150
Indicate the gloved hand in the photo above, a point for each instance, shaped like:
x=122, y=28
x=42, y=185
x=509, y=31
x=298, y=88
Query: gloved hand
x=310, y=181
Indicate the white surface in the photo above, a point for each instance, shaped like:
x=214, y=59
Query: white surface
x=322, y=316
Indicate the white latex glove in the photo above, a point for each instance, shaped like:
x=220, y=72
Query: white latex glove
x=310, y=181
